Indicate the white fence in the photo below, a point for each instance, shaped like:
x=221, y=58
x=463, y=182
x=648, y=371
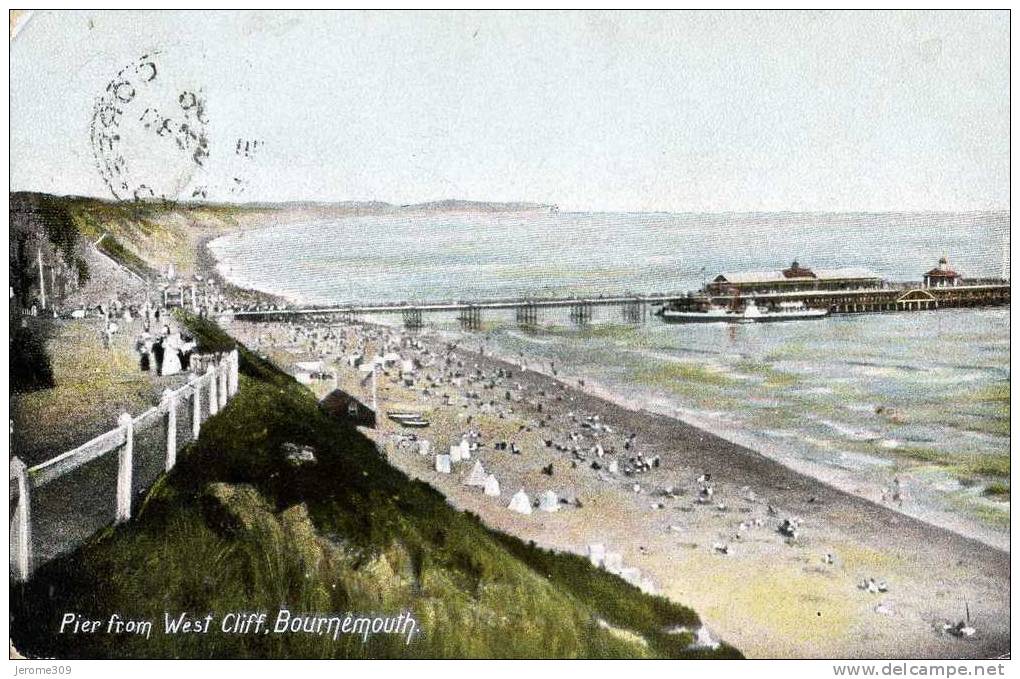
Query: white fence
x=219, y=383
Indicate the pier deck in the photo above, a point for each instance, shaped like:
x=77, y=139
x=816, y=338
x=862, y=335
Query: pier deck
x=888, y=298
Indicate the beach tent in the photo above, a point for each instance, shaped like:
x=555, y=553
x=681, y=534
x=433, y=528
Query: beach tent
x=465, y=450
x=477, y=476
x=310, y=366
x=703, y=639
x=455, y=453
x=407, y=366
x=491, y=486
x=613, y=562
x=424, y=447
x=443, y=464
x=549, y=502
x=520, y=502
x=631, y=575
x=596, y=554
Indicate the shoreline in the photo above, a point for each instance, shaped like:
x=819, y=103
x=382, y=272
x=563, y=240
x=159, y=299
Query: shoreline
x=816, y=472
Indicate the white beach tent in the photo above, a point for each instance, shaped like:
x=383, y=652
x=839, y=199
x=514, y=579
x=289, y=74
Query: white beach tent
x=596, y=554
x=455, y=453
x=631, y=575
x=477, y=475
x=443, y=464
x=520, y=502
x=491, y=486
x=549, y=501
x=424, y=447
x=465, y=450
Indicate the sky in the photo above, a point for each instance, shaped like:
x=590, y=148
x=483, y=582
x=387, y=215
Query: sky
x=641, y=111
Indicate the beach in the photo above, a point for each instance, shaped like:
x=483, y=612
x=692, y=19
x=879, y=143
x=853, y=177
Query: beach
x=768, y=593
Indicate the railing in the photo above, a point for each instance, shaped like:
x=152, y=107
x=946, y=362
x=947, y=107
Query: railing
x=219, y=382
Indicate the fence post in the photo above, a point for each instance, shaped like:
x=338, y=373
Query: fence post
x=222, y=369
x=196, y=408
x=22, y=546
x=214, y=403
x=124, y=472
x=234, y=364
x=170, y=401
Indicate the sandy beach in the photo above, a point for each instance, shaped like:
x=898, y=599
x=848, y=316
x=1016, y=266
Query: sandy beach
x=768, y=593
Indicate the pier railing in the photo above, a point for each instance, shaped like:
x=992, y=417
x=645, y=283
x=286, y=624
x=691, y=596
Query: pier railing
x=60, y=503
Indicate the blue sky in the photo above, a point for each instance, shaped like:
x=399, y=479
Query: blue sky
x=683, y=111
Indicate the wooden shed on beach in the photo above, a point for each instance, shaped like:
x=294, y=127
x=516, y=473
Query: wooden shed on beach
x=347, y=408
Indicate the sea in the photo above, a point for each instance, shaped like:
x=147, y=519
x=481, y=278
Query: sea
x=871, y=403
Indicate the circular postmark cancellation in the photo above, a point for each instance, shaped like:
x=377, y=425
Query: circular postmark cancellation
x=149, y=135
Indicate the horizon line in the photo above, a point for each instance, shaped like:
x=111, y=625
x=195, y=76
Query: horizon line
x=522, y=203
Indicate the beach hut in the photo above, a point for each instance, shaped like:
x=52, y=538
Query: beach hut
x=520, y=502
x=443, y=464
x=346, y=408
x=491, y=486
x=311, y=366
x=549, y=501
x=477, y=476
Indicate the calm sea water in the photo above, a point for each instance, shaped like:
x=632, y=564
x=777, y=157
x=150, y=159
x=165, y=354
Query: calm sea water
x=862, y=400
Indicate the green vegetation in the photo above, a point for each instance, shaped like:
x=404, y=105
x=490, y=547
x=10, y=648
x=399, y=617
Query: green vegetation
x=36, y=217
x=235, y=527
x=30, y=364
x=129, y=260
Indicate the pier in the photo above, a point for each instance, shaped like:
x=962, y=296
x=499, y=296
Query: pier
x=527, y=312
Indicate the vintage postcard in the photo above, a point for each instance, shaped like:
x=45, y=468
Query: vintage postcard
x=455, y=334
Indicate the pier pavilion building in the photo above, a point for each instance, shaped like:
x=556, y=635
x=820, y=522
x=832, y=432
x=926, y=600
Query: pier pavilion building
x=796, y=278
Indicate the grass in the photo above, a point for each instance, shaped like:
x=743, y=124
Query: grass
x=234, y=527
x=145, y=235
